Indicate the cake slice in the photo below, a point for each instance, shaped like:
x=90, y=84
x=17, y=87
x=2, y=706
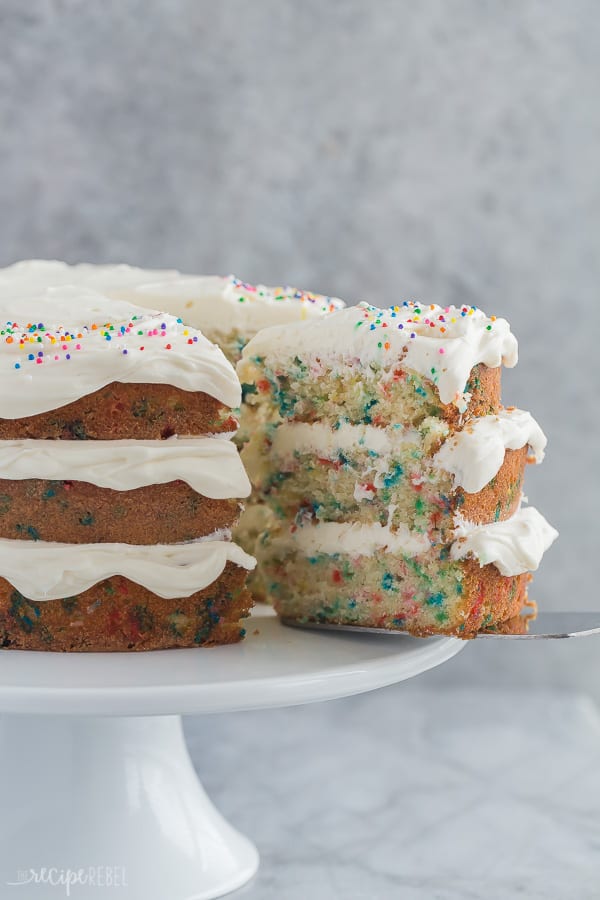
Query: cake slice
x=119, y=483
x=392, y=473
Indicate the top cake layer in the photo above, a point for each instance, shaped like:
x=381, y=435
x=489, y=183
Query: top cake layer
x=66, y=343
x=214, y=304
x=441, y=344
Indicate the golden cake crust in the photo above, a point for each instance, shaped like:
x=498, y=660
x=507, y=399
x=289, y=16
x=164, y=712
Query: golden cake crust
x=499, y=499
x=75, y=512
x=119, y=615
x=127, y=411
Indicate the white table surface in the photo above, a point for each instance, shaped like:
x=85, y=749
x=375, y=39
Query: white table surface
x=413, y=793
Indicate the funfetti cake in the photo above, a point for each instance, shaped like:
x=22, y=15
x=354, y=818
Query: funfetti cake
x=227, y=310
x=119, y=482
x=392, y=472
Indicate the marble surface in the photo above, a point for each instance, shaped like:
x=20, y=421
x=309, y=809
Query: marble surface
x=411, y=793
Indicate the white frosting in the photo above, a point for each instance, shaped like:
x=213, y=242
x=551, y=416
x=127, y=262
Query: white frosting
x=475, y=454
x=357, y=539
x=513, y=546
x=440, y=344
x=211, y=466
x=79, y=359
x=214, y=304
x=48, y=571
x=323, y=440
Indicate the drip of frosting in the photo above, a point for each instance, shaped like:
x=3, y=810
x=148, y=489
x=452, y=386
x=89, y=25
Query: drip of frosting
x=214, y=304
x=67, y=343
x=475, y=454
x=440, y=344
x=47, y=571
x=211, y=466
x=514, y=546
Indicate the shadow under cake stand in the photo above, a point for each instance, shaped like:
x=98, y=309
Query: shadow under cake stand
x=96, y=774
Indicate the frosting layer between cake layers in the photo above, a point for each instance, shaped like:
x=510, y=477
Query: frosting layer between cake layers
x=212, y=303
x=514, y=546
x=473, y=455
x=66, y=350
x=211, y=466
x=48, y=571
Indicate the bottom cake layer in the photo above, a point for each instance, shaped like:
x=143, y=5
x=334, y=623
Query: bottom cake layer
x=119, y=615
x=391, y=590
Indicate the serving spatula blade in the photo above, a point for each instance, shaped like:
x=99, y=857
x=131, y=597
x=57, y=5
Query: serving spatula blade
x=545, y=626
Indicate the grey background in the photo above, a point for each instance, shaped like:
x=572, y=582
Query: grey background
x=445, y=151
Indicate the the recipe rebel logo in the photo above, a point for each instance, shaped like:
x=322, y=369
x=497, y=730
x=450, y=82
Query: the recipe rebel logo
x=67, y=880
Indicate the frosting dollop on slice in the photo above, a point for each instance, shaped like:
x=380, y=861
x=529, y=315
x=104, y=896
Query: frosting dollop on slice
x=68, y=343
x=475, y=454
x=211, y=466
x=514, y=546
x=48, y=571
x=442, y=344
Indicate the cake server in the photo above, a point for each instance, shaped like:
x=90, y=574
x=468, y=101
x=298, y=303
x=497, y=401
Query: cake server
x=546, y=625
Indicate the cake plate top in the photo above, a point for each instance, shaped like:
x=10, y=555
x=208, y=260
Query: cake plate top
x=273, y=666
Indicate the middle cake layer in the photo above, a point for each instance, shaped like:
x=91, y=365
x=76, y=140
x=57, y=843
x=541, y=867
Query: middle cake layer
x=135, y=492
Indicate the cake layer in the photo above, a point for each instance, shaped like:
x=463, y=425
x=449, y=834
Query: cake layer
x=76, y=512
x=44, y=571
x=362, y=473
x=126, y=411
x=119, y=615
x=210, y=466
x=226, y=309
x=360, y=394
x=395, y=578
x=441, y=345
x=72, y=351
x=391, y=590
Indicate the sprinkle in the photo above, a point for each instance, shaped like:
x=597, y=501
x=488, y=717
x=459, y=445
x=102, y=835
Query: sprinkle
x=441, y=350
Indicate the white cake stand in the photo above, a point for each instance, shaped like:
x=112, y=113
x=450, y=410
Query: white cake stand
x=95, y=771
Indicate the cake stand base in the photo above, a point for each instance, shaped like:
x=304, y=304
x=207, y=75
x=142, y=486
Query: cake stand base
x=110, y=802
x=99, y=797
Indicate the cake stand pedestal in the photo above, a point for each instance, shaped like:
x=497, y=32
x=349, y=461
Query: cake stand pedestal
x=99, y=796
